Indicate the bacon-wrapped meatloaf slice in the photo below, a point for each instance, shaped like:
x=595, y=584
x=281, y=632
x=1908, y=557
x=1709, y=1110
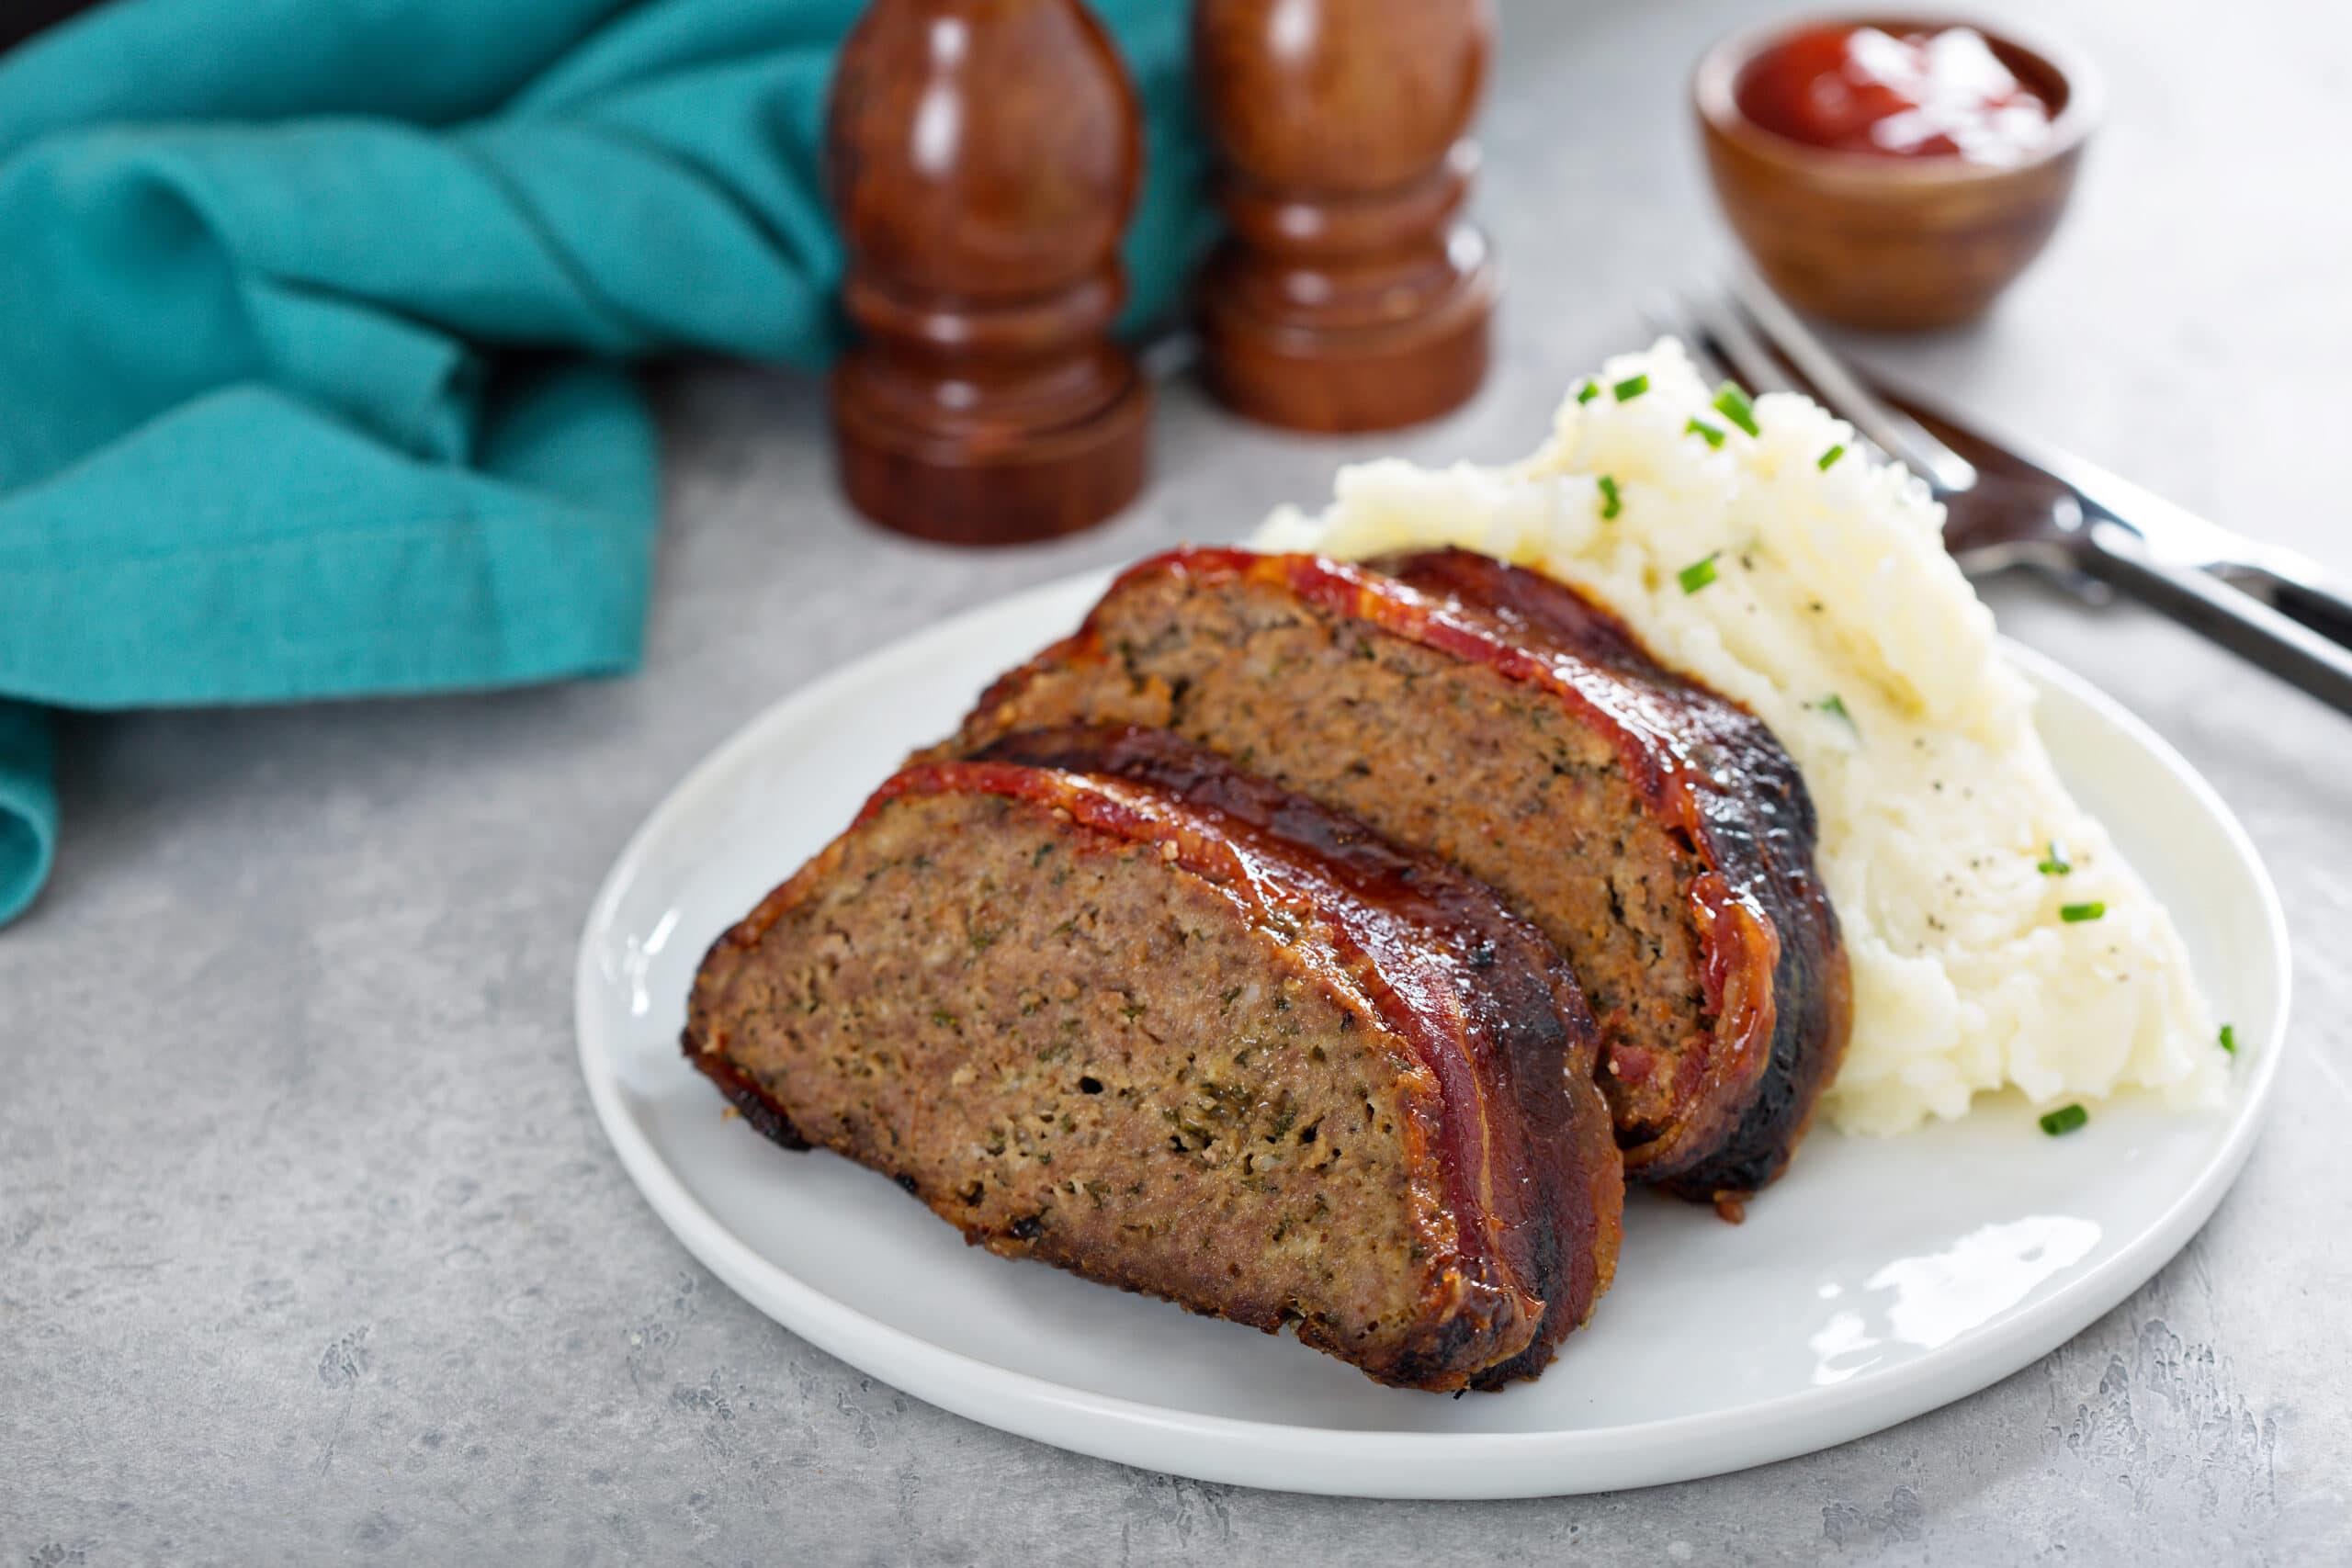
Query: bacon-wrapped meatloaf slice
x=1101, y=1000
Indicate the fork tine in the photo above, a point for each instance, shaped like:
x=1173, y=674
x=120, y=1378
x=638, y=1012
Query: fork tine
x=1669, y=315
x=1844, y=395
x=1757, y=367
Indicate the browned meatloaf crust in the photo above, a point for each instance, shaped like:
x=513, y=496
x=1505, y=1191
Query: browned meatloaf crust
x=1185, y=1033
x=1654, y=830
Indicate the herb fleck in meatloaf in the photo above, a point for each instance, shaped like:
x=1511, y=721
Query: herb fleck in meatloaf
x=1655, y=830
x=1129, y=1012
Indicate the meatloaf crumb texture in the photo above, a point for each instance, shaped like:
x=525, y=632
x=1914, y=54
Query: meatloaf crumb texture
x=1523, y=1016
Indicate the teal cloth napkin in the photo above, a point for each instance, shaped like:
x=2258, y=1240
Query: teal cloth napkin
x=312, y=321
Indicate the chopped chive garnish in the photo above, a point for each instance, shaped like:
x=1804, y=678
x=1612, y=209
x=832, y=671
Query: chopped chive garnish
x=1611, y=503
x=1733, y=404
x=1829, y=458
x=1834, y=703
x=1589, y=392
x=1713, y=435
x=1698, y=574
x=2074, y=914
x=2064, y=1119
x=1633, y=387
x=2230, y=1039
x=2055, y=864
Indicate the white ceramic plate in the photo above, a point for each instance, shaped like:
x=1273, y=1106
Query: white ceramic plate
x=1880, y=1280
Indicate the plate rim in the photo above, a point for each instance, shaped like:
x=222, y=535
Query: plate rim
x=1388, y=1463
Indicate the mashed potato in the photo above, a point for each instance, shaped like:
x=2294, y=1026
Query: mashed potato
x=1829, y=607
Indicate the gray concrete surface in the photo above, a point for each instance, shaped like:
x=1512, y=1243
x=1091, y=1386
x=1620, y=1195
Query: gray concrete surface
x=311, y=1250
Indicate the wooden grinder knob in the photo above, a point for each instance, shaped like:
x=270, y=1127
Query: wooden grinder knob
x=1351, y=295
x=983, y=156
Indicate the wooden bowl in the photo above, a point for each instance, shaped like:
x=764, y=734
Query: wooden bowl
x=1889, y=242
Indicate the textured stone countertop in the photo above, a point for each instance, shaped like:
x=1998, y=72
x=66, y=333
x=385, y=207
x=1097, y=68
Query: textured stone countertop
x=310, y=1249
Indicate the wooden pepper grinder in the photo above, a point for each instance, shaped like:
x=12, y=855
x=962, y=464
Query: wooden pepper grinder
x=983, y=157
x=1351, y=295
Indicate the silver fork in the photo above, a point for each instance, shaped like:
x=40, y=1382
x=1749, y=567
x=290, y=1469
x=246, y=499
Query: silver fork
x=2011, y=503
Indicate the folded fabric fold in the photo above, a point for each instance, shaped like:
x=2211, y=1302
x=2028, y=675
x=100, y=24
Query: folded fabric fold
x=314, y=318
x=28, y=807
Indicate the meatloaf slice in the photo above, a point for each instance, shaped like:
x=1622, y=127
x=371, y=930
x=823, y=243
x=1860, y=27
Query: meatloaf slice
x=1652, y=829
x=1178, y=1041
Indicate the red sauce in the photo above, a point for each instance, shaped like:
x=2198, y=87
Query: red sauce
x=1942, y=94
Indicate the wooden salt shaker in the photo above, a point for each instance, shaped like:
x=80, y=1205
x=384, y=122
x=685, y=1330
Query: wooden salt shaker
x=983, y=157
x=1350, y=295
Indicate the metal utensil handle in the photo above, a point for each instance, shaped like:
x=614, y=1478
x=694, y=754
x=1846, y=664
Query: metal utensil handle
x=2238, y=621
x=2310, y=599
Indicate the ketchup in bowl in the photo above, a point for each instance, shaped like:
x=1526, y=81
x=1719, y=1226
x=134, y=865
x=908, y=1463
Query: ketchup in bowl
x=1914, y=94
